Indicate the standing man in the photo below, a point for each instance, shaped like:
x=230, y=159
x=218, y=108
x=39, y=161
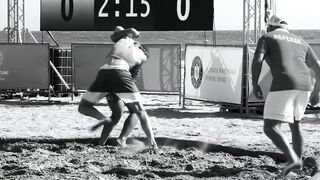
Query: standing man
x=289, y=58
x=115, y=81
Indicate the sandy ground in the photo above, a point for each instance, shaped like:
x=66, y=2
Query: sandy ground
x=51, y=140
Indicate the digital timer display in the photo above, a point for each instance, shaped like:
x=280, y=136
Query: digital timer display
x=153, y=15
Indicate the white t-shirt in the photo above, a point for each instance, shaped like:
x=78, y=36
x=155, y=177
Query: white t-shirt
x=126, y=49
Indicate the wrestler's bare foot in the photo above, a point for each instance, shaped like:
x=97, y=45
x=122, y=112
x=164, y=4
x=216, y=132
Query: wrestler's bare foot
x=291, y=166
x=101, y=142
x=101, y=123
x=153, y=144
x=121, y=142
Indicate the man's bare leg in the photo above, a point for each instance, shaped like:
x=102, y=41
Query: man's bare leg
x=273, y=131
x=117, y=106
x=297, y=138
x=128, y=126
x=139, y=110
x=87, y=108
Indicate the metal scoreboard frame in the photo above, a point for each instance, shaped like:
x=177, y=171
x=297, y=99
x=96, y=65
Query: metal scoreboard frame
x=147, y=15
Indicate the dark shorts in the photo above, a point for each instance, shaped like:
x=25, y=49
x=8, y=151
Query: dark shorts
x=113, y=81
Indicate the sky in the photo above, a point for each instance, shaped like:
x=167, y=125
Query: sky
x=228, y=14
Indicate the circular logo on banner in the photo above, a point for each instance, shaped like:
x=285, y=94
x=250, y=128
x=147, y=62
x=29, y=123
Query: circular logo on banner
x=196, y=72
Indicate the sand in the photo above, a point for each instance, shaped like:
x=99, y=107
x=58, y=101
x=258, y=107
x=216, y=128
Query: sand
x=51, y=140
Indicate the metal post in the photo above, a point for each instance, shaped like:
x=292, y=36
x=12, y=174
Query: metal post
x=16, y=25
x=251, y=34
x=22, y=22
x=251, y=19
x=184, y=79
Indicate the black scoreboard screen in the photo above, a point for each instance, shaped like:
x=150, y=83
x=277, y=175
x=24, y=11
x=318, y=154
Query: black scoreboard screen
x=148, y=15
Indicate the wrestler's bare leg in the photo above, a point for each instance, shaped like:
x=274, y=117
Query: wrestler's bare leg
x=139, y=110
x=117, y=107
x=128, y=126
x=87, y=108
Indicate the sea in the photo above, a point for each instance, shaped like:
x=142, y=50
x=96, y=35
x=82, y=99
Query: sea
x=226, y=37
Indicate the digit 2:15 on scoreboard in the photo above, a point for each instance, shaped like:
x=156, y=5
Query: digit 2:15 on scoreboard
x=159, y=15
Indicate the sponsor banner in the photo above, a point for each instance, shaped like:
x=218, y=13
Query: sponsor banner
x=265, y=78
x=213, y=73
x=24, y=66
x=104, y=15
x=161, y=73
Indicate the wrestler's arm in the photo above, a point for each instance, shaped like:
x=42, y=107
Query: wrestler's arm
x=143, y=49
x=135, y=70
x=141, y=57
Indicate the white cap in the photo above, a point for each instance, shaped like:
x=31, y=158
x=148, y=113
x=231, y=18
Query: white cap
x=277, y=21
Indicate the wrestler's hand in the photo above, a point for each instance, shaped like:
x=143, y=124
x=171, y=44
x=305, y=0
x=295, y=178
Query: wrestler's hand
x=257, y=91
x=135, y=70
x=134, y=32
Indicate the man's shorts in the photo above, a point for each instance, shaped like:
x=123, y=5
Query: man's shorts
x=286, y=106
x=115, y=81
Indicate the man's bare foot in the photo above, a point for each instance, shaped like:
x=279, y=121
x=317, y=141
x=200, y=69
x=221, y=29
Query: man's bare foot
x=153, y=144
x=294, y=165
x=101, y=142
x=121, y=142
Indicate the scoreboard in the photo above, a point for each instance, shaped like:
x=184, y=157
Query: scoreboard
x=147, y=15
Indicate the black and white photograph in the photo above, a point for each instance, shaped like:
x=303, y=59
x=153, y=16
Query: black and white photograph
x=160, y=89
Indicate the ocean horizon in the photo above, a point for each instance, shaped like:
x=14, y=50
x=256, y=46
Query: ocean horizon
x=221, y=37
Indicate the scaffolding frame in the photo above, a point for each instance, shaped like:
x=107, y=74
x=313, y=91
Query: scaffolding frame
x=16, y=21
x=251, y=21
